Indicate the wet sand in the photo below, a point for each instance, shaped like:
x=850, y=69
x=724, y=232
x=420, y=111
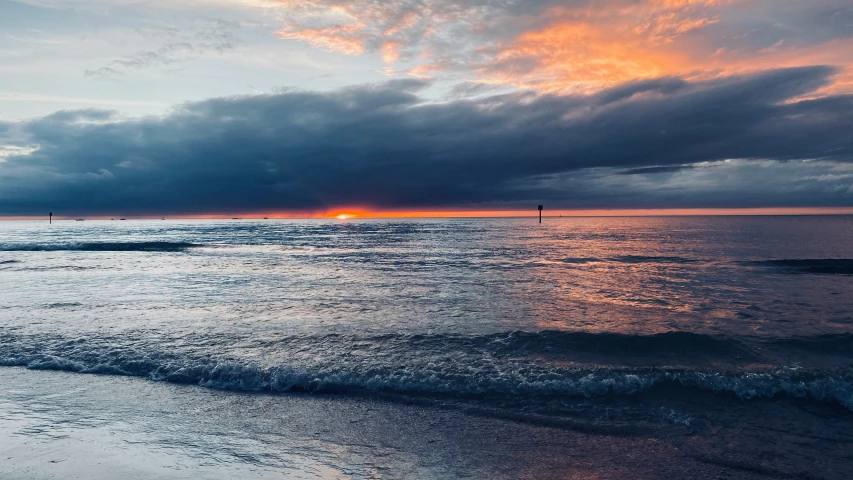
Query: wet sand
x=64, y=425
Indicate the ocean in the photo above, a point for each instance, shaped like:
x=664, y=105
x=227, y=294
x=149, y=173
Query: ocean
x=687, y=347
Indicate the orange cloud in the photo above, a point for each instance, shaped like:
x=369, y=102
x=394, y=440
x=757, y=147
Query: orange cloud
x=346, y=39
x=578, y=56
x=355, y=27
x=391, y=51
x=565, y=48
x=838, y=52
x=585, y=50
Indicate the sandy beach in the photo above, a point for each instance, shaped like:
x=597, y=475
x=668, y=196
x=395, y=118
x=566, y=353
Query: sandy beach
x=95, y=427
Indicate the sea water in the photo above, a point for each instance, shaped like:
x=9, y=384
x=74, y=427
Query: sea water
x=728, y=337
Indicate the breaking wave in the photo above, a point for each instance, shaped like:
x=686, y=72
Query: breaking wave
x=827, y=266
x=500, y=368
x=100, y=247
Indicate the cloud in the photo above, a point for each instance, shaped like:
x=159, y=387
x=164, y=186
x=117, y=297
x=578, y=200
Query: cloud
x=14, y=151
x=397, y=28
x=559, y=46
x=588, y=46
x=385, y=146
x=177, y=45
x=578, y=45
x=654, y=170
x=472, y=89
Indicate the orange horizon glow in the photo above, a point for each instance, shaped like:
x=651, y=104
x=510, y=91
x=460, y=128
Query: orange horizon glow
x=351, y=214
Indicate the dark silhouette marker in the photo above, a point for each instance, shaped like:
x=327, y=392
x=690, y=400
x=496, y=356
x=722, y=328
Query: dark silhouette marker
x=50, y=218
x=540, y=213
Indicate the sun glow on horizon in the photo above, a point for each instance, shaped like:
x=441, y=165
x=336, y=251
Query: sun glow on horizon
x=400, y=214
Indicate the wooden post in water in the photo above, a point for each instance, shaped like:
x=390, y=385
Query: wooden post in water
x=540, y=213
x=50, y=218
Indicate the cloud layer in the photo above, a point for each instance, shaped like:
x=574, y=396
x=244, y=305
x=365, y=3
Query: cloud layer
x=385, y=146
x=578, y=45
x=178, y=45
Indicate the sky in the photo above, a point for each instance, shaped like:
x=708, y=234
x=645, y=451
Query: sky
x=199, y=107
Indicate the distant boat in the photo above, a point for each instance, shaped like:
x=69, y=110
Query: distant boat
x=265, y=218
x=80, y=220
x=163, y=218
x=122, y=219
x=235, y=218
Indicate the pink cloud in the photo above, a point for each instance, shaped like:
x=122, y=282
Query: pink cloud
x=575, y=46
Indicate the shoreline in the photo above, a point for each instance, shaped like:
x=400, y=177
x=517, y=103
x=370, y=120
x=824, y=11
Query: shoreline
x=67, y=425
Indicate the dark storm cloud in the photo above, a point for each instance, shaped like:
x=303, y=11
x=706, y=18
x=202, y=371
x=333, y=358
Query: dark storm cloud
x=385, y=146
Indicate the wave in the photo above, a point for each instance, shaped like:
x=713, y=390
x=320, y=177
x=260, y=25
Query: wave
x=75, y=268
x=632, y=259
x=678, y=346
x=581, y=260
x=830, y=266
x=100, y=247
x=838, y=344
x=501, y=368
x=824, y=386
x=652, y=259
x=63, y=305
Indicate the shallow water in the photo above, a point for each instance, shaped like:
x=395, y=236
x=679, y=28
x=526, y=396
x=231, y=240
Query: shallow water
x=664, y=325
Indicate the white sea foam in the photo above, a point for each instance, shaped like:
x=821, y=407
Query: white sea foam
x=407, y=368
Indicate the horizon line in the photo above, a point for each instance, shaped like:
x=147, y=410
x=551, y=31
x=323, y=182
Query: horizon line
x=355, y=213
